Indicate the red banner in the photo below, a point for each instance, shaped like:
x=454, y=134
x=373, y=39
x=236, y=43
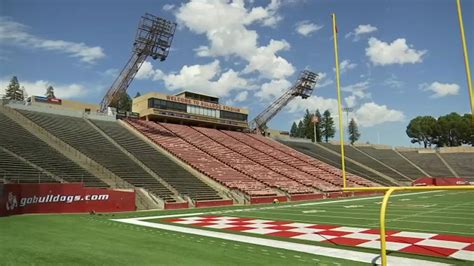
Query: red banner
x=62, y=198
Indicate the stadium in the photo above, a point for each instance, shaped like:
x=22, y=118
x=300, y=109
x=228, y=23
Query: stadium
x=186, y=176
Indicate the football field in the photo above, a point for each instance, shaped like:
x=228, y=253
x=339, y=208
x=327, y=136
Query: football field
x=424, y=228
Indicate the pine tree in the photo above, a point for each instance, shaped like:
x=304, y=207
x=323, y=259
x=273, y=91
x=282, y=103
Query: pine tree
x=300, y=131
x=293, y=130
x=50, y=92
x=353, y=129
x=318, y=126
x=327, y=126
x=308, y=125
x=13, y=91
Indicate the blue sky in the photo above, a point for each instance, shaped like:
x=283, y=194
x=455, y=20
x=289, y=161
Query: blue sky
x=399, y=59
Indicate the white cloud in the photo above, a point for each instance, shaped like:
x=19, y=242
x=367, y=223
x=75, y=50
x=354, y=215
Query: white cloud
x=273, y=89
x=241, y=96
x=358, y=91
x=345, y=65
x=361, y=30
x=312, y=103
x=394, y=82
x=371, y=114
x=305, y=28
x=228, y=35
x=15, y=33
x=38, y=88
x=441, y=89
x=323, y=81
x=207, y=79
x=168, y=7
x=146, y=71
x=397, y=52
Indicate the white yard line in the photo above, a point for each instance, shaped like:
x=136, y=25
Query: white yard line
x=298, y=247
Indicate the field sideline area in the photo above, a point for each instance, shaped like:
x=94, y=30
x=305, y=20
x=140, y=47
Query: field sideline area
x=112, y=239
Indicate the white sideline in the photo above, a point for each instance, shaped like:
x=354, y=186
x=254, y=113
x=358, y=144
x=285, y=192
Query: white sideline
x=298, y=247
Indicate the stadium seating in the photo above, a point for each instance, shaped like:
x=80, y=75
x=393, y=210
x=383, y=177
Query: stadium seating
x=335, y=161
x=16, y=139
x=83, y=137
x=267, y=175
x=15, y=170
x=304, y=165
x=394, y=160
x=176, y=176
x=429, y=162
x=200, y=160
x=462, y=163
x=358, y=156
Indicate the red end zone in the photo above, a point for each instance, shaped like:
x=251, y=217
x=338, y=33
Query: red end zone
x=62, y=198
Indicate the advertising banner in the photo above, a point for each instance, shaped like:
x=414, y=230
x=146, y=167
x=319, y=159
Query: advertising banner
x=62, y=198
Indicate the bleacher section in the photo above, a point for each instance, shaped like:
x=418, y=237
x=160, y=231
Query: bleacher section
x=394, y=160
x=17, y=171
x=358, y=156
x=335, y=161
x=462, y=163
x=16, y=139
x=180, y=179
x=267, y=175
x=429, y=162
x=83, y=137
x=200, y=160
x=301, y=161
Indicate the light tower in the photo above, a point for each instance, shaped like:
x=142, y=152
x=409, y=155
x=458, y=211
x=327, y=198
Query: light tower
x=153, y=38
x=303, y=87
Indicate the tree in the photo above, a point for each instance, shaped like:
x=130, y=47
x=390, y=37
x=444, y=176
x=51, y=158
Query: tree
x=327, y=126
x=300, y=131
x=137, y=95
x=353, y=129
x=123, y=102
x=452, y=130
x=50, y=92
x=308, y=126
x=468, y=136
x=293, y=130
x=422, y=129
x=318, y=126
x=13, y=91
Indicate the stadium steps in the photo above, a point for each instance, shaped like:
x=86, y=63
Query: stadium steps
x=354, y=154
x=238, y=161
x=447, y=165
x=78, y=134
x=393, y=160
x=112, y=138
x=378, y=156
x=319, y=171
x=223, y=191
x=425, y=174
x=332, y=158
x=18, y=170
x=235, y=181
x=462, y=163
x=429, y=162
x=16, y=138
x=172, y=175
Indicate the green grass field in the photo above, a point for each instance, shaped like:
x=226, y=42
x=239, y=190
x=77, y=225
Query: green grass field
x=97, y=240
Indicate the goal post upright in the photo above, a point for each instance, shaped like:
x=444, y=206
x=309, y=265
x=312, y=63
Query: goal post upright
x=339, y=105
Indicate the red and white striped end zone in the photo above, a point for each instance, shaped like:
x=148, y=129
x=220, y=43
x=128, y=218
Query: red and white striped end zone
x=452, y=246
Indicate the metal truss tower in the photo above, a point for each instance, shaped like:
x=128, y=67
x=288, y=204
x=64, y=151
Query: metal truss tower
x=153, y=38
x=303, y=87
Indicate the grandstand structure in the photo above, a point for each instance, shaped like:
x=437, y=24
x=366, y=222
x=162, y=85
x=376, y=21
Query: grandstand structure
x=188, y=148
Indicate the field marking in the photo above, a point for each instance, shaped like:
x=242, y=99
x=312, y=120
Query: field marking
x=292, y=246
